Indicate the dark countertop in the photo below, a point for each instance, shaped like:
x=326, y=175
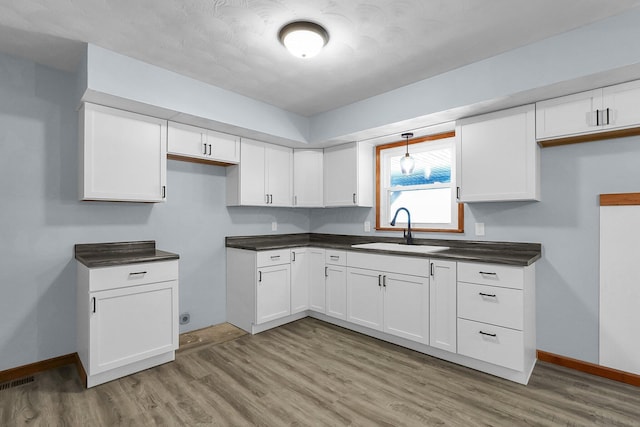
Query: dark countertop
x=120, y=253
x=508, y=253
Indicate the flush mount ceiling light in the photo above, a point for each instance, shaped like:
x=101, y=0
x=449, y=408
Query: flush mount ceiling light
x=407, y=163
x=303, y=39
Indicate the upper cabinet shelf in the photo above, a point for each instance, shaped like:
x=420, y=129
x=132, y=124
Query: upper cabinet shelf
x=497, y=157
x=587, y=116
x=123, y=155
x=196, y=144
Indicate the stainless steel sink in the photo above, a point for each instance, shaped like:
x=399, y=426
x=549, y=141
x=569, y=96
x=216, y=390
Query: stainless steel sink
x=399, y=247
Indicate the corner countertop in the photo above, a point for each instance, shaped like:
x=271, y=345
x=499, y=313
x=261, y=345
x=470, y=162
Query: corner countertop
x=507, y=253
x=120, y=253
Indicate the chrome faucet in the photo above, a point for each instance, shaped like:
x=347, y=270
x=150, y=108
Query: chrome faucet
x=405, y=233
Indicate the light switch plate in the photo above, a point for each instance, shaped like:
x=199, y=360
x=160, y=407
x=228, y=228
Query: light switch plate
x=367, y=226
x=274, y=226
x=479, y=228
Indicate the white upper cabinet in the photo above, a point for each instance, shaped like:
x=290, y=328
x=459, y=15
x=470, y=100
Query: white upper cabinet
x=497, y=157
x=186, y=142
x=307, y=178
x=123, y=156
x=348, y=175
x=600, y=110
x=263, y=177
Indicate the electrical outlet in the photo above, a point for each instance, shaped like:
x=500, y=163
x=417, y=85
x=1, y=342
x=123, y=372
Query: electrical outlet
x=367, y=226
x=274, y=226
x=185, y=318
x=479, y=228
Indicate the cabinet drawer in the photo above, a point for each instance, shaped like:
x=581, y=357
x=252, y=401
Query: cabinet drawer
x=493, y=344
x=491, y=274
x=120, y=276
x=491, y=304
x=335, y=257
x=276, y=257
x=414, y=266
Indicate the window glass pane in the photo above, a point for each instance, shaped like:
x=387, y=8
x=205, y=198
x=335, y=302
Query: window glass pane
x=432, y=206
x=432, y=166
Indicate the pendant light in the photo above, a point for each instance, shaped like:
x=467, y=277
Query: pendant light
x=407, y=163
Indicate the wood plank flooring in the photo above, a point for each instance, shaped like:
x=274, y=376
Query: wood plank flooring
x=309, y=373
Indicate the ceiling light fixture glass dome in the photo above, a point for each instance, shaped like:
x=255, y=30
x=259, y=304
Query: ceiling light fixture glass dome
x=303, y=39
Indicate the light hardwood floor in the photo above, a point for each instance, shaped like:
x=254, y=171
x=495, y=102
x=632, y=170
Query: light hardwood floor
x=309, y=373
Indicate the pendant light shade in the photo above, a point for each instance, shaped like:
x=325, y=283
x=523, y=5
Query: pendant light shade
x=303, y=39
x=407, y=163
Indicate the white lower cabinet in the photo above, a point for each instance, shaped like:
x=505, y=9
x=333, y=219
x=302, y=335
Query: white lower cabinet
x=496, y=315
x=365, y=298
x=273, y=293
x=442, y=305
x=127, y=318
x=336, y=283
x=475, y=314
x=300, y=278
x=258, y=288
x=393, y=303
x=317, y=284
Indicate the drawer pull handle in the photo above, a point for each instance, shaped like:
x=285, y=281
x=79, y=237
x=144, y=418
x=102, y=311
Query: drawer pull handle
x=138, y=273
x=204, y=148
x=259, y=276
x=485, y=273
x=487, y=295
x=384, y=281
x=326, y=272
x=334, y=257
x=293, y=257
x=275, y=257
x=487, y=334
x=94, y=304
x=379, y=280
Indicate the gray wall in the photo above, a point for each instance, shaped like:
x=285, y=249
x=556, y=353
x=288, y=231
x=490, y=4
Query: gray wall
x=41, y=219
x=565, y=221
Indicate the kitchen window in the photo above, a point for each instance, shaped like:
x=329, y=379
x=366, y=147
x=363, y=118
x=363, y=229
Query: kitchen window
x=429, y=192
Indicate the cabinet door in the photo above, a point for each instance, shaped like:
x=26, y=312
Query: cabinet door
x=340, y=175
x=279, y=171
x=273, y=295
x=336, y=286
x=123, y=155
x=365, y=298
x=621, y=105
x=568, y=115
x=498, y=157
x=131, y=324
x=252, y=173
x=442, y=305
x=308, y=178
x=299, y=280
x=406, y=306
x=317, y=292
x=188, y=141
x=223, y=147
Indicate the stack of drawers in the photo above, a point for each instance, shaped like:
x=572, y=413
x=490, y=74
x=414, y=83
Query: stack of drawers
x=491, y=314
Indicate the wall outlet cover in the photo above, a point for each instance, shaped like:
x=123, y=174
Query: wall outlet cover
x=367, y=226
x=479, y=228
x=274, y=226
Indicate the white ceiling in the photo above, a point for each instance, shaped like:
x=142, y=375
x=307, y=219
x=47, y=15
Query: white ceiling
x=375, y=45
